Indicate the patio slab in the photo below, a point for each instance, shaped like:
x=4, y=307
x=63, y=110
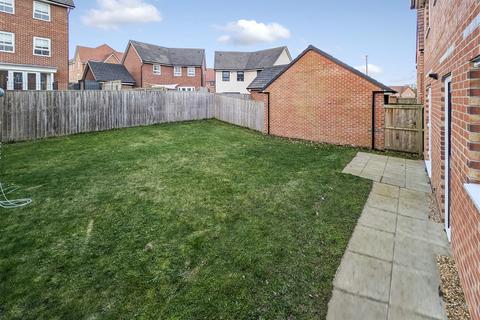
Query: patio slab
x=389, y=270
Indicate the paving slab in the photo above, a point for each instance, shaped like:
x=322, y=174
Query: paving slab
x=373, y=243
x=423, y=258
x=378, y=219
x=397, y=313
x=416, y=291
x=344, y=306
x=386, y=190
x=382, y=202
x=364, y=276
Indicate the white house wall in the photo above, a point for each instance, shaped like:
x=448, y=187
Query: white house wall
x=283, y=59
x=233, y=85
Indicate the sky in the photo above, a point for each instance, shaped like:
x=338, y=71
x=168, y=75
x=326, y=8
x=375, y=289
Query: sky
x=348, y=29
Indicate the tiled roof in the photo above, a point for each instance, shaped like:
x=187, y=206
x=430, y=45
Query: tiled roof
x=265, y=77
x=232, y=60
x=110, y=72
x=98, y=54
x=150, y=53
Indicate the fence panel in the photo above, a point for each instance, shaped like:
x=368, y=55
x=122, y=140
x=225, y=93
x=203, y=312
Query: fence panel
x=404, y=128
x=41, y=114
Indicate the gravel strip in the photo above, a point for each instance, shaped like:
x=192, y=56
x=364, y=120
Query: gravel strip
x=451, y=290
x=434, y=213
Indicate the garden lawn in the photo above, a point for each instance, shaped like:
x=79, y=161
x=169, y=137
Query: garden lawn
x=195, y=220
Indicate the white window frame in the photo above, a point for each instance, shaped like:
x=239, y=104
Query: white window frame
x=177, y=73
x=49, y=47
x=157, y=72
x=13, y=8
x=229, y=76
x=186, y=89
x=13, y=41
x=191, y=71
x=35, y=3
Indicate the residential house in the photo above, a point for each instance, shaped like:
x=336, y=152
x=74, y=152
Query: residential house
x=404, y=92
x=105, y=72
x=319, y=98
x=34, y=44
x=210, y=80
x=154, y=66
x=234, y=71
x=448, y=73
x=102, y=53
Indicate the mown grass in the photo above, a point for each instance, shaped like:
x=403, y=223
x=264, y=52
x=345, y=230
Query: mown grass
x=197, y=220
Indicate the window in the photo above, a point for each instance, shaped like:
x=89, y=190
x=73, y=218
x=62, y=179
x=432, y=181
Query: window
x=41, y=47
x=41, y=11
x=18, y=81
x=226, y=76
x=189, y=89
x=7, y=6
x=177, y=71
x=191, y=71
x=258, y=72
x=32, y=81
x=7, y=42
x=157, y=69
x=3, y=79
x=44, y=81
x=240, y=76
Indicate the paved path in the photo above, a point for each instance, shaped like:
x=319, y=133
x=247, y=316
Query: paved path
x=389, y=270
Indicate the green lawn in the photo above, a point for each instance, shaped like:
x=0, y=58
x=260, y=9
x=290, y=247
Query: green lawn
x=197, y=220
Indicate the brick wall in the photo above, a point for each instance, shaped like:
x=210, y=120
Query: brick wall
x=317, y=99
x=167, y=77
x=25, y=28
x=262, y=97
x=449, y=49
x=134, y=65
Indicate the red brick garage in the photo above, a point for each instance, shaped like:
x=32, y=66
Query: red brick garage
x=319, y=98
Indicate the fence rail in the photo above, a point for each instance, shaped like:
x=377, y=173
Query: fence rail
x=42, y=114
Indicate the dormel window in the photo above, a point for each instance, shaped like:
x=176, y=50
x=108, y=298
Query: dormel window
x=41, y=11
x=240, y=76
x=41, y=47
x=7, y=42
x=7, y=6
x=177, y=71
x=157, y=69
x=191, y=71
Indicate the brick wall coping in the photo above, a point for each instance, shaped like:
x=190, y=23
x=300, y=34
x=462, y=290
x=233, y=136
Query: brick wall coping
x=473, y=190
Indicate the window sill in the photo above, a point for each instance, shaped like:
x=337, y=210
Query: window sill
x=473, y=190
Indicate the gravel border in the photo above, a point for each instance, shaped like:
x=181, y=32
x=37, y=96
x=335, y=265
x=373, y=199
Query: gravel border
x=434, y=213
x=451, y=290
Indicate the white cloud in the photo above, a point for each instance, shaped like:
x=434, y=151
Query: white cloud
x=373, y=70
x=111, y=14
x=248, y=32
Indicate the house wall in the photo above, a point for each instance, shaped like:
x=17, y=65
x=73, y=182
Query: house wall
x=408, y=94
x=262, y=97
x=318, y=100
x=25, y=28
x=451, y=42
x=167, y=77
x=111, y=59
x=76, y=70
x=89, y=75
x=234, y=86
x=283, y=59
x=134, y=65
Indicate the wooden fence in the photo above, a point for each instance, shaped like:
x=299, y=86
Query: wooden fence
x=42, y=114
x=404, y=128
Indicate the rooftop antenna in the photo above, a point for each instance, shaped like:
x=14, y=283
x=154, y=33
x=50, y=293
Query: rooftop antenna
x=4, y=201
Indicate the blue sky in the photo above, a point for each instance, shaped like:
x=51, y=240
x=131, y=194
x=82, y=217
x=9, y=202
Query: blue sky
x=349, y=29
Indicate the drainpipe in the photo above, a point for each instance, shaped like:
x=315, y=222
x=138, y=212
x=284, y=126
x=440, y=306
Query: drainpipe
x=374, y=93
x=268, y=112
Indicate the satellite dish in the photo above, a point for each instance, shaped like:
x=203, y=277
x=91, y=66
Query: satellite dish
x=2, y=92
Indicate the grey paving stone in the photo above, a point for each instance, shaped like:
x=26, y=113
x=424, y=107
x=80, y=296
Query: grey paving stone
x=344, y=306
x=423, y=187
x=386, y=190
x=373, y=177
x=399, y=182
x=378, y=219
x=397, y=313
x=417, y=254
x=413, y=204
x=372, y=242
x=422, y=230
x=365, y=276
x=416, y=291
x=382, y=202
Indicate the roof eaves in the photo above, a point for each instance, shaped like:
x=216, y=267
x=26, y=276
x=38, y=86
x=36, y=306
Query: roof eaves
x=331, y=58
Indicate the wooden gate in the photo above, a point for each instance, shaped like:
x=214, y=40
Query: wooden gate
x=404, y=128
